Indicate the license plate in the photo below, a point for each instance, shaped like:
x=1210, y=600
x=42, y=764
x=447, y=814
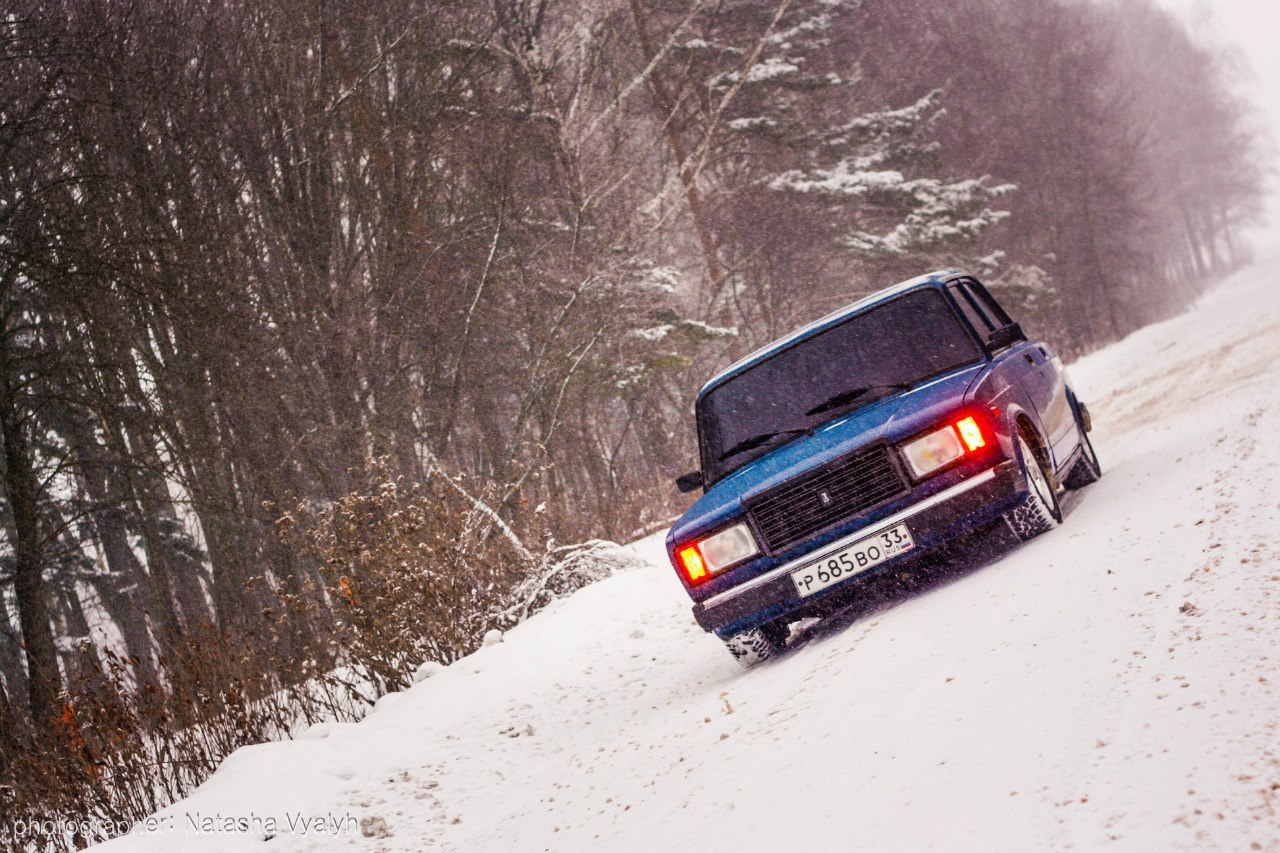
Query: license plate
x=853, y=560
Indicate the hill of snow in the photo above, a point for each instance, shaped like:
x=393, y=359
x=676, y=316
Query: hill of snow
x=1114, y=684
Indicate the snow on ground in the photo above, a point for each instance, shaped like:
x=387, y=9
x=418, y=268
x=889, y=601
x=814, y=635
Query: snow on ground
x=1112, y=685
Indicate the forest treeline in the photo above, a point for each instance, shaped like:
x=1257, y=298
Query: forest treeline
x=285, y=281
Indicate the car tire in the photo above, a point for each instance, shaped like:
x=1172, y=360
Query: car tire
x=1087, y=468
x=1038, y=512
x=757, y=645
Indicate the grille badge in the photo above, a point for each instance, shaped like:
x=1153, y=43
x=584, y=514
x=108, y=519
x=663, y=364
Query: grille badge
x=824, y=498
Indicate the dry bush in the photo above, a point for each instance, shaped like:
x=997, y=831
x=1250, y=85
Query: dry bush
x=420, y=572
x=118, y=753
x=413, y=573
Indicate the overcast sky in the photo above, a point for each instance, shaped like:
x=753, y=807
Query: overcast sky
x=1253, y=25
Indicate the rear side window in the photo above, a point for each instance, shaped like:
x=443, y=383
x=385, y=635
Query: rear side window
x=988, y=304
x=969, y=307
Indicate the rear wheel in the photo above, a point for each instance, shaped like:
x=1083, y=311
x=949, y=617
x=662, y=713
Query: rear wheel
x=1038, y=513
x=757, y=644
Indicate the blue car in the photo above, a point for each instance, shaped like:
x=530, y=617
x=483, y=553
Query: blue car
x=862, y=442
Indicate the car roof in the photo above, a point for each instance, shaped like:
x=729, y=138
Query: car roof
x=935, y=278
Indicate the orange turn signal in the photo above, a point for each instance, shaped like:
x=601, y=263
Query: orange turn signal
x=971, y=433
x=694, y=567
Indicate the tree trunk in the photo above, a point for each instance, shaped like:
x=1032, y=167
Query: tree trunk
x=667, y=109
x=23, y=491
x=162, y=531
x=105, y=485
x=15, y=679
x=79, y=659
x=123, y=609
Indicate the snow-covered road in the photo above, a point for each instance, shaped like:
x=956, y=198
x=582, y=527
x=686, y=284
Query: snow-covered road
x=1112, y=685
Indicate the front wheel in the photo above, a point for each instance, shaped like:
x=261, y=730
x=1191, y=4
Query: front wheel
x=1039, y=512
x=757, y=645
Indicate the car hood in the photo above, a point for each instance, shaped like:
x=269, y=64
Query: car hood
x=891, y=419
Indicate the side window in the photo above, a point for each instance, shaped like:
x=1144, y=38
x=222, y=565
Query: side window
x=969, y=307
x=988, y=303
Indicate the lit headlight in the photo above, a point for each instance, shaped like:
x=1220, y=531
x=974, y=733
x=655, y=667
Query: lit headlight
x=931, y=452
x=717, y=552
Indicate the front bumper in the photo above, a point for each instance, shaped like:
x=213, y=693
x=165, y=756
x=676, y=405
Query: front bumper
x=934, y=521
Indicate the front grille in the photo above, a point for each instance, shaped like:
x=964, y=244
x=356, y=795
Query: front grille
x=851, y=485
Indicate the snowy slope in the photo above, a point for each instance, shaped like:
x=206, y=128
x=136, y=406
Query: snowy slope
x=1114, y=684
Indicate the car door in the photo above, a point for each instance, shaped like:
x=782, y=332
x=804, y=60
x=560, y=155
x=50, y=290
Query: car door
x=1009, y=369
x=1042, y=378
x=1047, y=386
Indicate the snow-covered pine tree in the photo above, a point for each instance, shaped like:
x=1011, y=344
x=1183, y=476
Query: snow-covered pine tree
x=812, y=197
x=668, y=342
x=872, y=167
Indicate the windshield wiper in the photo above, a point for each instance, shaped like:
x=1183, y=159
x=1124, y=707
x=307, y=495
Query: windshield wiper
x=835, y=402
x=757, y=440
x=853, y=394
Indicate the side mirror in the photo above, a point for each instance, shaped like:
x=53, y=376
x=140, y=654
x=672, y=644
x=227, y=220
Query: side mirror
x=689, y=482
x=1005, y=336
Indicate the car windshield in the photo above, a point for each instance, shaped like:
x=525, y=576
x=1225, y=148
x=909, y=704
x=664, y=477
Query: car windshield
x=887, y=348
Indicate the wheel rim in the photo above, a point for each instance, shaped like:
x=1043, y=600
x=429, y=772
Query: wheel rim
x=1035, y=476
